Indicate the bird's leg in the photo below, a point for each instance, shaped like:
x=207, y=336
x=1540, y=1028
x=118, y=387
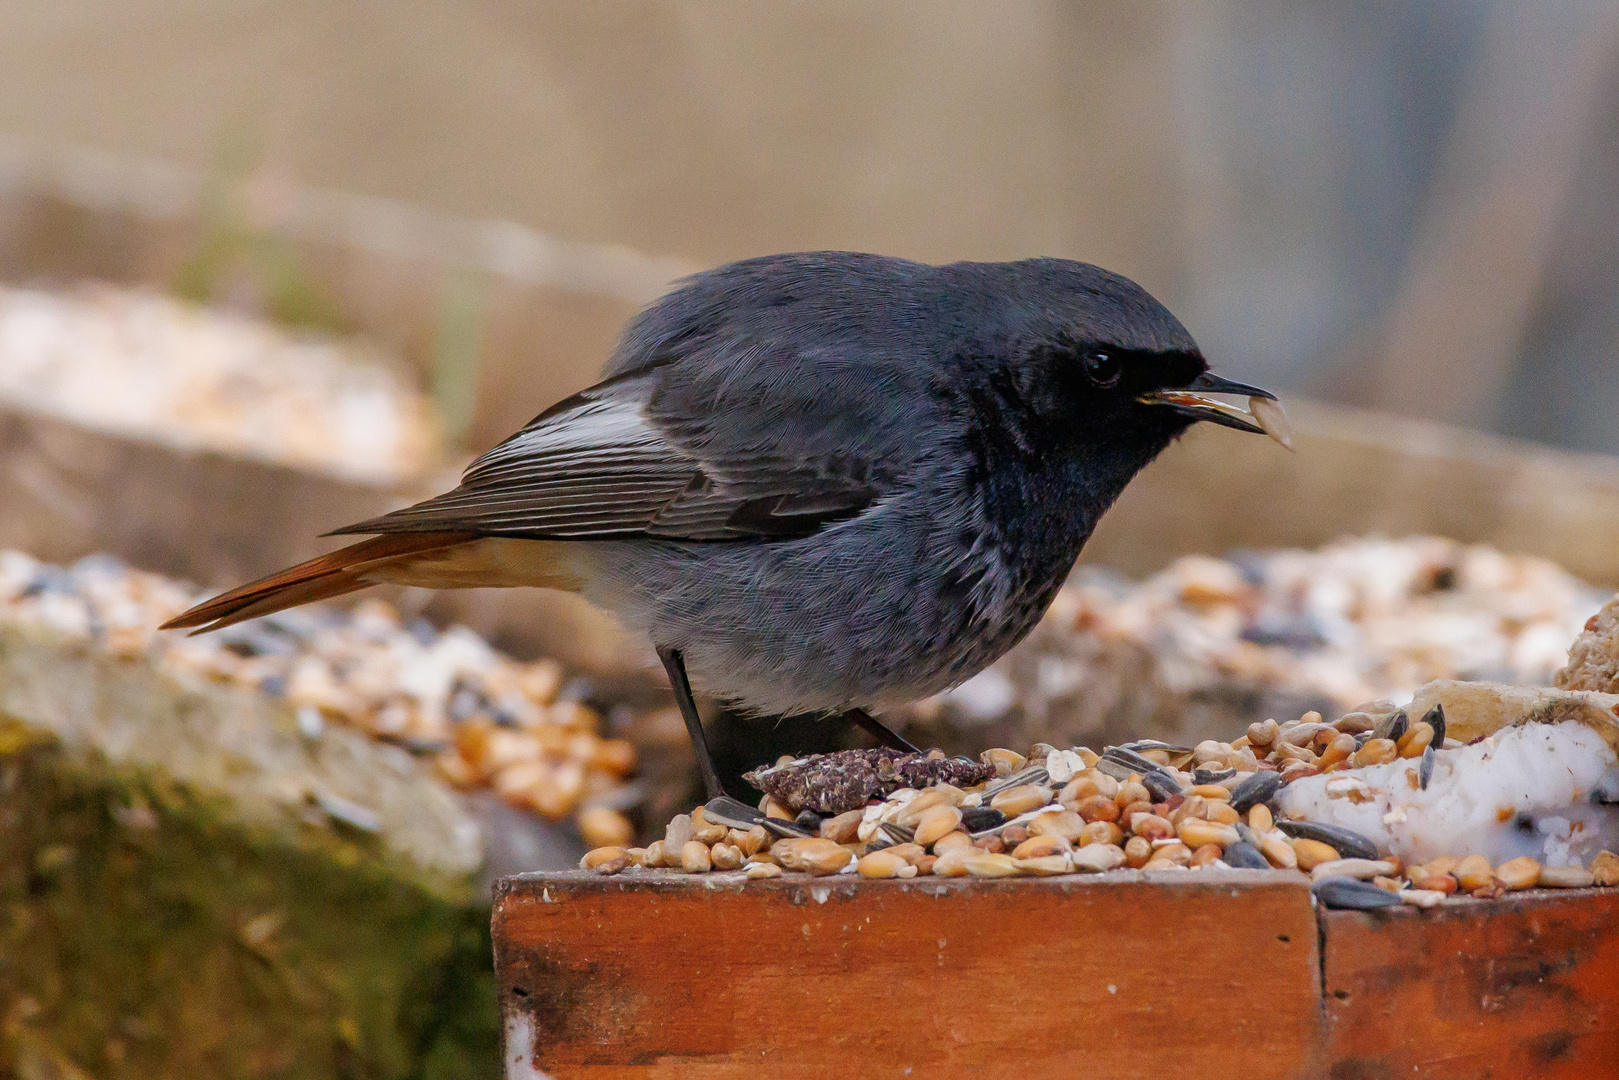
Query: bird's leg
x=863, y=720
x=676, y=667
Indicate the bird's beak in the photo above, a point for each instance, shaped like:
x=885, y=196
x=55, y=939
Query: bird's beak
x=1262, y=417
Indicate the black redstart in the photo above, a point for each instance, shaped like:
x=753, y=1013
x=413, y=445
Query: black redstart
x=822, y=482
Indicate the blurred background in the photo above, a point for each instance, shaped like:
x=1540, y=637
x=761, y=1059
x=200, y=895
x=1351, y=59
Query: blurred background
x=1404, y=204
x=271, y=266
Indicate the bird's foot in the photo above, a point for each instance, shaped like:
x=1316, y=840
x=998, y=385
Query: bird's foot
x=884, y=735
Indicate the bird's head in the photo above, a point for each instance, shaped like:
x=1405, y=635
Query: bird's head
x=1105, y=356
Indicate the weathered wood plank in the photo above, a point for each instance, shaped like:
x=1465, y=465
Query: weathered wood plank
x=1523, y=986
x=842, y=977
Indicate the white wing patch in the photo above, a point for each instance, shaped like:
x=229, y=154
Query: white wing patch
x=606, y=428
x=600, y=467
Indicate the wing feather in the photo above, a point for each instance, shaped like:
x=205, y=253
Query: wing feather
x=599, y=466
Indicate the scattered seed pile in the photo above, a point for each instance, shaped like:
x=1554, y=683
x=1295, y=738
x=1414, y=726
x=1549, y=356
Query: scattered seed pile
x=1146, y=805
x=1208, y=644
x=1593, y=659
x=148, y=365
x=484, y=720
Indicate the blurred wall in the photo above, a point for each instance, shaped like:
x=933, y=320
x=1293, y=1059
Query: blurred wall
x=1402, y=204
x=710, y=130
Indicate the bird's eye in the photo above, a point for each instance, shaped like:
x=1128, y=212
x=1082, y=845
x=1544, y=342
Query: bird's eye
x=1102, y=368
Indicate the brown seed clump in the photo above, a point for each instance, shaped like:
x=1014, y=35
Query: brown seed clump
x=847, y=780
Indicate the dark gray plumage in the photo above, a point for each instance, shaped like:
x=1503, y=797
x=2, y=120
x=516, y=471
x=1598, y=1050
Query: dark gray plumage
x=827, y=480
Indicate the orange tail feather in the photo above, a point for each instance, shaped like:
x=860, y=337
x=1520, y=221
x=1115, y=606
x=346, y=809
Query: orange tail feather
x=343, y=571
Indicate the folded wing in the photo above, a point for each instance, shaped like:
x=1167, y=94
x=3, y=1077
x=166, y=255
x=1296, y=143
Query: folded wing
x=600, y=466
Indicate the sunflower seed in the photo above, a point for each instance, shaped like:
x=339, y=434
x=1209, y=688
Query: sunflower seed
x=732, y=813
x=1436, y=720
x=1212, y=776
x=1141, y=746
x=899, y=834
x=1245, y=856
x=1343, y=892
x=1261, y=787
x=1129, y=758
x=786, y=829
x=979, y=819
x=1035, y=774
x=1425, y=770
x=1348, y=844
x=1116, y=769
x=1160, y=784
x=1391, y=726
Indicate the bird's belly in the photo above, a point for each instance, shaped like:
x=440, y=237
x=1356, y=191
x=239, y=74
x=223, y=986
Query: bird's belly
x=836, y=621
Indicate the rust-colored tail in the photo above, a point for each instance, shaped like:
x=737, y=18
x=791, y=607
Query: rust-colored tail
x=341, y=571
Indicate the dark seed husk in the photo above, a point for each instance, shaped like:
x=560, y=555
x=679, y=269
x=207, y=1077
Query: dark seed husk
x=899, y=834
x=1160, y=785
x=785, y=829
x=1179, y=756
x=1343, y=892
x=1436, y=720
x=1141, y=746
x=1247, y=835
x=848, y=779
x=1261, y=787
x=732, y=813
x=1129, y=758
x=1244, y=856
x=1116, y=769
x=1392, y=726
x=1425, y=770
x=1034, y=774
x=1212, y=776
x=809, y=819
x=978, y=818
x=1121, y=762
x=1347, y=843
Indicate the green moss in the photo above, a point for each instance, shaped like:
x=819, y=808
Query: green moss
x=232, y=758
x=144, y=935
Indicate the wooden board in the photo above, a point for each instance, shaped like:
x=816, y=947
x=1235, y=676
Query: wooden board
x=1228, y=974
x=1525, y=986
x=940, y=977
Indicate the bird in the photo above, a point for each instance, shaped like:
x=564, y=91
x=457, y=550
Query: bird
x=825, y=483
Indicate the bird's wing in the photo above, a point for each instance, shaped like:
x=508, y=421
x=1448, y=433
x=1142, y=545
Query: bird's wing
x=601, y=465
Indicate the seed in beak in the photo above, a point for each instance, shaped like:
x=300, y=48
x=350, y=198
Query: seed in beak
x=1268, y=414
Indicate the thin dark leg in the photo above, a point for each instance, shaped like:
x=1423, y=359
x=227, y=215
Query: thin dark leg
x=676, y=667
x=863, y=720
